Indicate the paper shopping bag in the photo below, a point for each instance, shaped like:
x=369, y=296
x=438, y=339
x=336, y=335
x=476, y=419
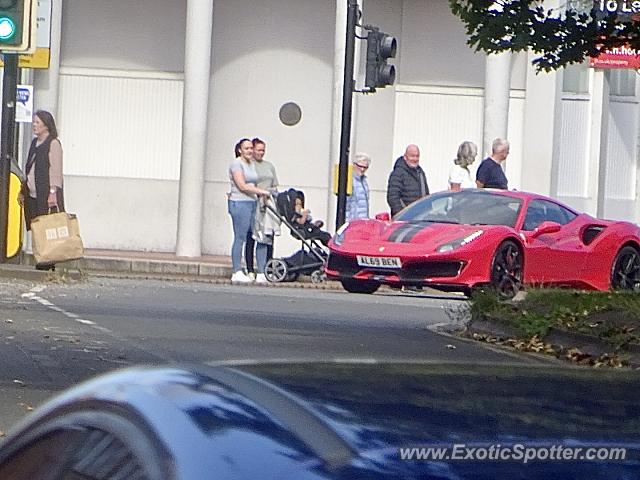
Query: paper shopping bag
x=56, y=238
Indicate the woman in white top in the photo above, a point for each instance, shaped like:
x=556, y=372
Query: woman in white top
x=460, y=175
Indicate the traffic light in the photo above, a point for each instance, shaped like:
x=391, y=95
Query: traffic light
x=380, y=47
x=15, y=24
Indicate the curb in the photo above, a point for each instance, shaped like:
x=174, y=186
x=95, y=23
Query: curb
x=560, y=339
x=136, y=268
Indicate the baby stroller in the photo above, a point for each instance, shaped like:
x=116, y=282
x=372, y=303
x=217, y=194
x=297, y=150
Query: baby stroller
x=311, y=258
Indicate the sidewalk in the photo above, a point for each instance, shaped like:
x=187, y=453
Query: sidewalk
x=135, y=264
x=128, y=263
x=155, y=265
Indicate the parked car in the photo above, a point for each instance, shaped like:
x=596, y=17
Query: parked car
x=457, y=241
x=334, y=421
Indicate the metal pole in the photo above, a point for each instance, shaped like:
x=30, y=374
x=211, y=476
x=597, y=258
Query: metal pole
x=347, y=99
x=7, y=143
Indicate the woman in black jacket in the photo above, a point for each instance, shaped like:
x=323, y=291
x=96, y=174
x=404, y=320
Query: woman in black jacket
x=42, y=191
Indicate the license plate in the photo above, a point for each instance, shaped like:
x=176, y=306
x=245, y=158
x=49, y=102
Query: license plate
x=379, y=262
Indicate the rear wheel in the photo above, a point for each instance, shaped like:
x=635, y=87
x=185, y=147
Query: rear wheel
x=625, y=272
x=507, y=270
x=359, y=286
x=318, y=276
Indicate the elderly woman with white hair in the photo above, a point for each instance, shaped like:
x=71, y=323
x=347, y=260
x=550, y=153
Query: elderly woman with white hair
x=459, y=174
x=358, y=201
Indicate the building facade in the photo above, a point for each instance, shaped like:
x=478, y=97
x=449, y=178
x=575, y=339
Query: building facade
x=148, y=143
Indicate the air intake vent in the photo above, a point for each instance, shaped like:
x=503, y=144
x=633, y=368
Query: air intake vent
x=591, y=232
x=104, y=457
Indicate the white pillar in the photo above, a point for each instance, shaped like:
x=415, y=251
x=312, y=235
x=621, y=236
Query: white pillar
x=197, y=70
x=598, y=144
x=336, y=117
x=340, y=40
x=46, y=82
x=497, y=86
x=542, y=110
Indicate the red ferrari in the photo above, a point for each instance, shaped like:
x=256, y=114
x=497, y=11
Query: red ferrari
x=457, y=241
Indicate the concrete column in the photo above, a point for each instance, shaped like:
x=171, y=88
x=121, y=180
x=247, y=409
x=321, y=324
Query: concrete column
x=599, y=141
x=541, y=117
x=46, y=82
x=496, y=98
x=336, y=117
x=197, y=70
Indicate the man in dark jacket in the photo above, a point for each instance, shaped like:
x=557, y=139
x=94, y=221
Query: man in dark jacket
x=407, y=182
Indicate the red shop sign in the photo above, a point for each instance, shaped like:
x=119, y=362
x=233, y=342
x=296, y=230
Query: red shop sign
x=619, y=57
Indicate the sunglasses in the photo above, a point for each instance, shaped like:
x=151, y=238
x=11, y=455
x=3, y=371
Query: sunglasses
x=364, y=167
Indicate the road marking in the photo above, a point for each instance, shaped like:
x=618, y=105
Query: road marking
x=32, y=295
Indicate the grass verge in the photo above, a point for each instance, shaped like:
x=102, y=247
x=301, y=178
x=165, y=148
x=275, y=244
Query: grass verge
x=610, y=318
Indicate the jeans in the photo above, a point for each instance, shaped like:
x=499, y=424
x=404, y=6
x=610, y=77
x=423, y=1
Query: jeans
x=242, y=218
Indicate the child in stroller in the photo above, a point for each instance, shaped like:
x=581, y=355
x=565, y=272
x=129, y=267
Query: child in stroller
x=302, y=221
x=311, y=258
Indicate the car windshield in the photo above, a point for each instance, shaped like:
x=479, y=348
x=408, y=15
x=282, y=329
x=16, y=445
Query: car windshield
x=472, y=207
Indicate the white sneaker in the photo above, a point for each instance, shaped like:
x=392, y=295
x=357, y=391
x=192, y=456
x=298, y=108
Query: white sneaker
x=240, y=277
x=260, y=278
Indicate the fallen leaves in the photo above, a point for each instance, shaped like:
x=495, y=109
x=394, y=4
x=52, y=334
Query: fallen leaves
x=537, y=345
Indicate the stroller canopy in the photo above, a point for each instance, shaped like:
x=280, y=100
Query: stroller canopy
x=286, y=203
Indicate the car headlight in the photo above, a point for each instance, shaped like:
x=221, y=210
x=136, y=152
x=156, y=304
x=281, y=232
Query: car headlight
x=338, y=238
x=459, y=242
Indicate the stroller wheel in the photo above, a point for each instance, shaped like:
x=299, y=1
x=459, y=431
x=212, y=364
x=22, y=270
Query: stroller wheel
x=275, y=270
x=318, y=276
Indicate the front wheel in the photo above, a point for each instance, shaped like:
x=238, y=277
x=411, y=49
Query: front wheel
x=507, y=270
x=276, y=270
x=359, y=286
x=625, y=272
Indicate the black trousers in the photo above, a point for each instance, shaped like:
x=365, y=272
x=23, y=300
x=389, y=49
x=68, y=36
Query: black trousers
x=249, y=250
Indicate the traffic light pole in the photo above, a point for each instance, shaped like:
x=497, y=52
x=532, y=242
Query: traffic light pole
x=347, y=105
x=7, y=142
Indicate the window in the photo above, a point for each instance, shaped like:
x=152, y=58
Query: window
x=622, y=82
x=469, y=207
x=576, y=78
x=540, y=211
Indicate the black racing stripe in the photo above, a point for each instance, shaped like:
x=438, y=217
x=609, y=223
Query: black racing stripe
x=398, y=232
x=406, y=232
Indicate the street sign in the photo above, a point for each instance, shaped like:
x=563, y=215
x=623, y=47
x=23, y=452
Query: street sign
x=24, y=104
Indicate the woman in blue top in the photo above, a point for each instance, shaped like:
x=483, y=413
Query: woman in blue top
x=358, y=201
x=242, y=203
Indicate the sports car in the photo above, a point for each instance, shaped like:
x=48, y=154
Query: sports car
x=334, y=421
x=459, y=241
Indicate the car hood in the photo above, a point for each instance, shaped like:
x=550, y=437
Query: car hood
x=350, y=420
x=404, y=235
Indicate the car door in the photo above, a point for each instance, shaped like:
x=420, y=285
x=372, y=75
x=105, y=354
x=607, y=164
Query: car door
x=556, y=257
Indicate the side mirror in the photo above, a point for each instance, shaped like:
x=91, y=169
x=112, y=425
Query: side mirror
x=383, y=217
x=544, y=228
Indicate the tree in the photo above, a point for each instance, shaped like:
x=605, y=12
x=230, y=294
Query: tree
x=561, y=36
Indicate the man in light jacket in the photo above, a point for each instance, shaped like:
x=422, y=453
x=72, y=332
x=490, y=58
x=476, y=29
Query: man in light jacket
x=358, y=201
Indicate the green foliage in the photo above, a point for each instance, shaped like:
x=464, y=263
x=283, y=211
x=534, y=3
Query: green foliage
x=561, y=36
x=611, y=316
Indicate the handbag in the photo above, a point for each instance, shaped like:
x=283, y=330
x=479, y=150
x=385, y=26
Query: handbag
x=56, y=238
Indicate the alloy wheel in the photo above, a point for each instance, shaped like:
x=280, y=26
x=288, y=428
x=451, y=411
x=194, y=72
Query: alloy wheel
x=625, y=274
x=506, y=270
